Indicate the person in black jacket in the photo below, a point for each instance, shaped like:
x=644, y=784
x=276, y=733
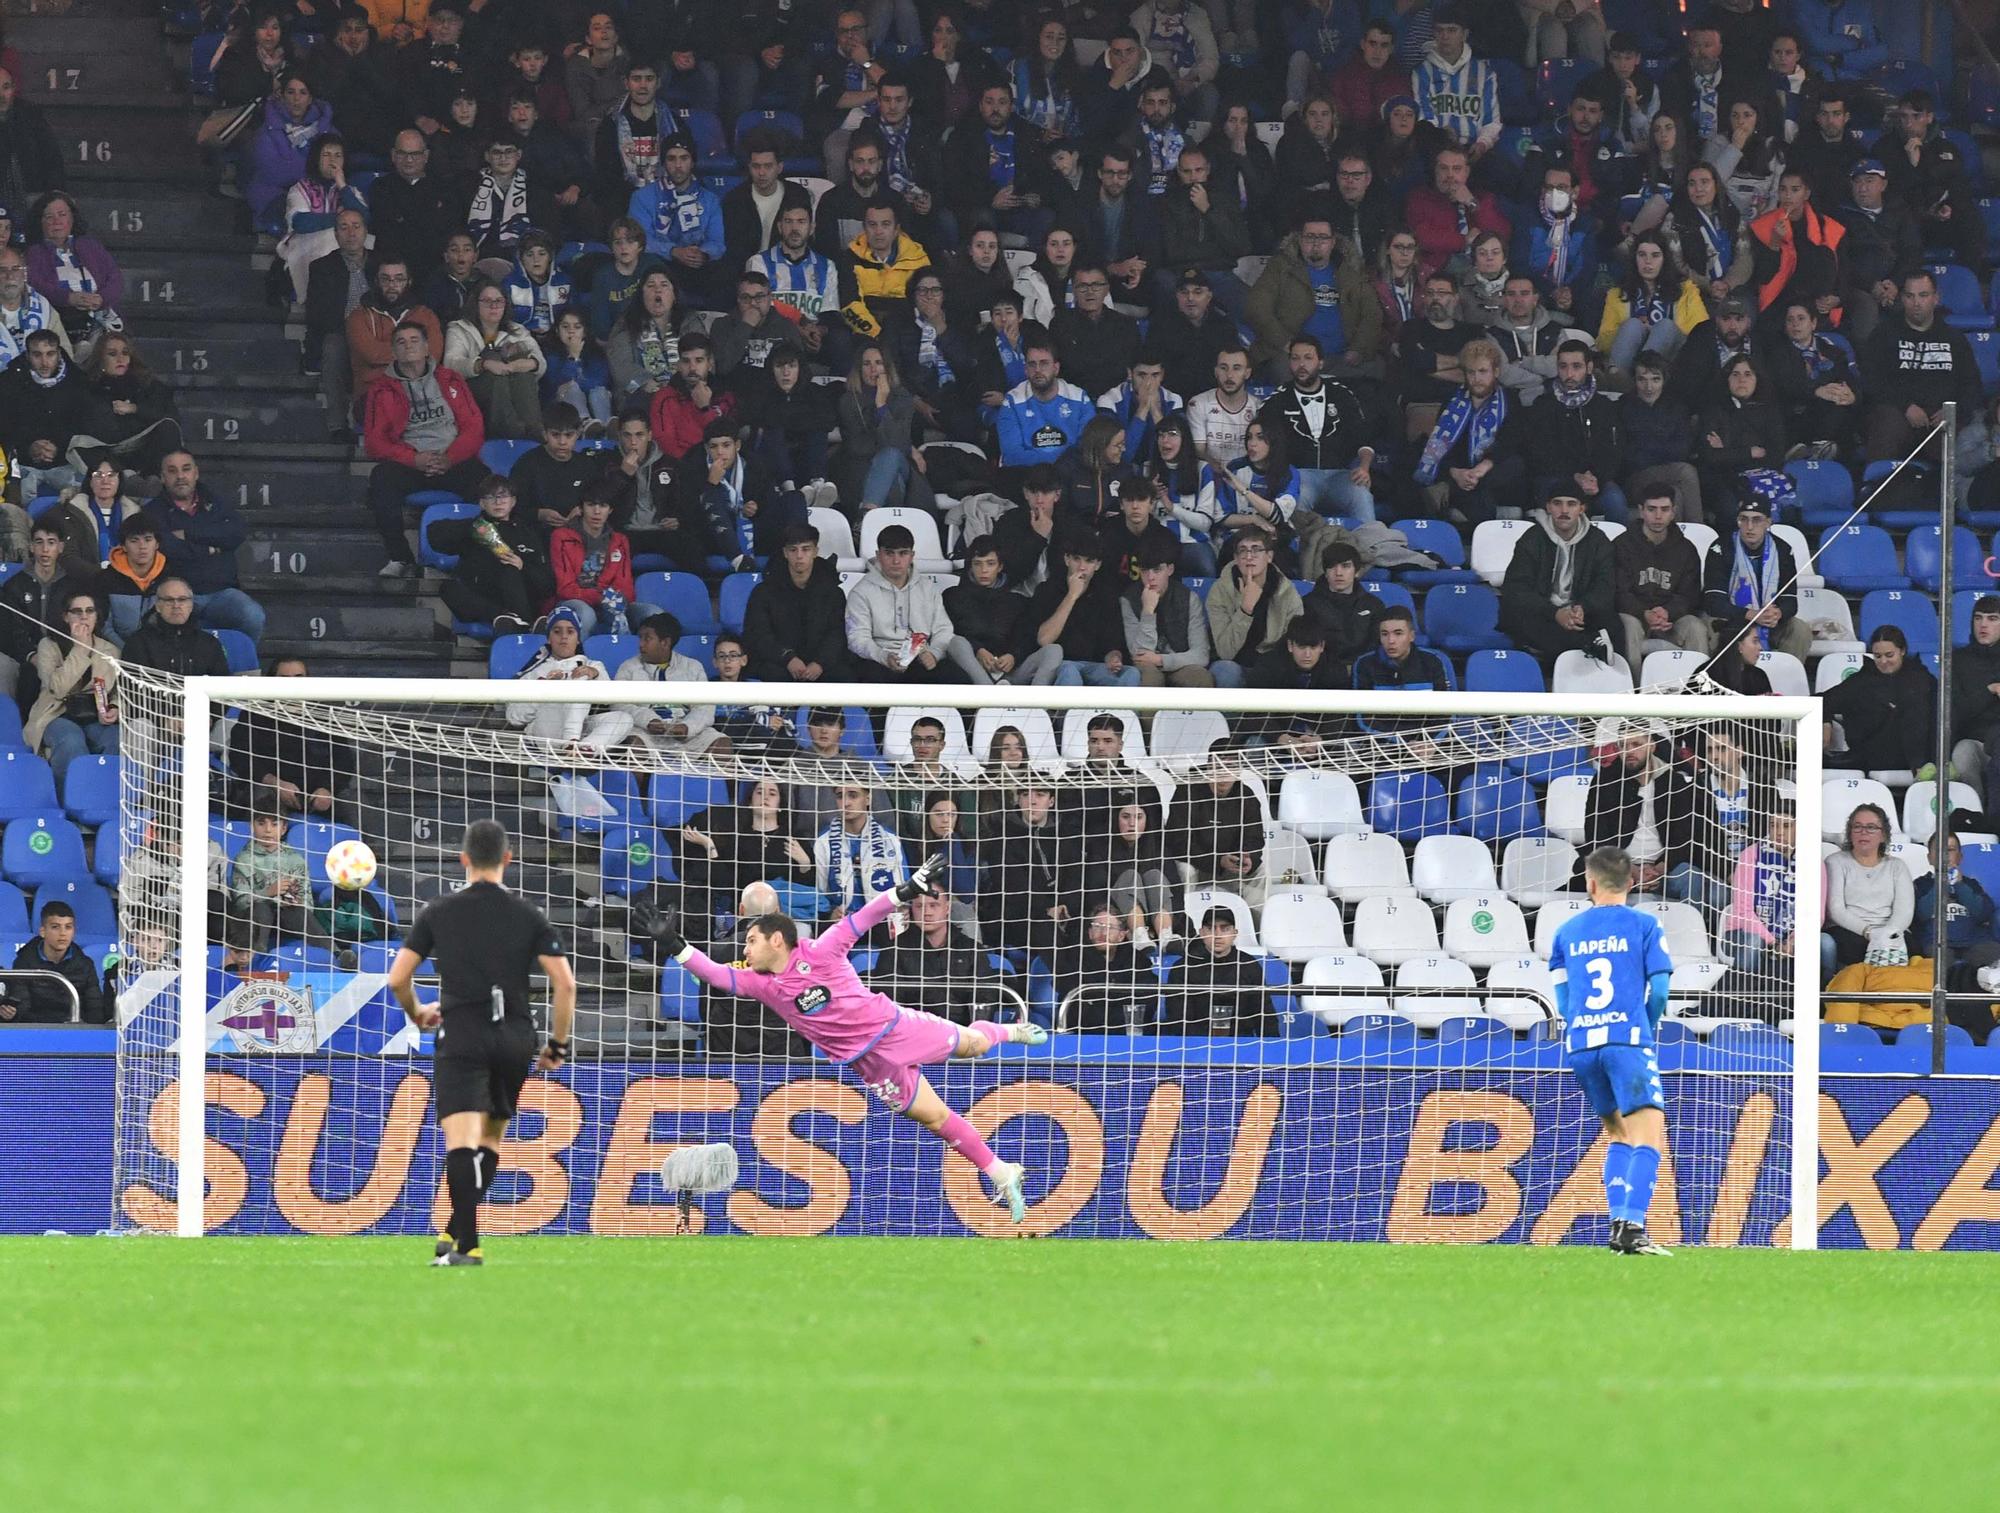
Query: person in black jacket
x=347, y=71
x=986, y=615
x=1216, y=989
x=937, y=357
x=737, y=503
x=1575, y=438
x=1911, y=366
x=31, y=1000
x=993, y=174
x=934, y=965
x=30, y=159
x=1741, y=431
x=743, y=221
x=1696, y=378
x=1026, y=537
x=1886, y=709
x=412, y=210
x=788, y=416
x=1079, y=613
x=795, y=625
x=44, y=405
x=1188, y=335
x=1640, y=794
x=1104, y=985
x=303, y=769
x=1029, y=863
x=335, y=283
x=1327, y=429
x=503, y=576
x=31, y=604
x=1882, y=244
x=169, y=639
x=1750, y=575
x=1098, y=344
x=1975, y=700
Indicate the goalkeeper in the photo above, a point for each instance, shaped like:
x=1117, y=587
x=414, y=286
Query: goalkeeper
x=1610, y=968
x=812, y=987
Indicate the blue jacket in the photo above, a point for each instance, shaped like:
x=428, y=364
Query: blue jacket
x=536, y=306
x=1033, y=430
x=1533, y=246
x=1842, y=32
x=201, y=546
x=1328, y=38
x=690, y=217
x=1972, y=925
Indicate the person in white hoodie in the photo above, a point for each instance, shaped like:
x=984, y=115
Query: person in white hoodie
x=671, y=727
x=569, y=724
x=896, y=624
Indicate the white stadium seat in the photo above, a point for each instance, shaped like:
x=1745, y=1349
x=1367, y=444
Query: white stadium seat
x=1670, y=669
x=1298, y=926
x=1549, y=919
x=1835, y=668
x=1527, y=972
x=1920, y=807
x=1565, y=807
x=1701, y=538
x=1429, y=1010
x=1034, y=724
x=1493, y=543
x=1580, y=672
x=836, y=536
x=1840, y=797
x=896, y=732
x=1802, y=555
x=1687, y=935
x=1831, y=618
x=1288, y=861
x=1200, y=900
x=923, y=528
x=1366, y=866
x=1344, y=970
x=1187, y=732
x=1320, y=803
x=1452, y=866
x=1786, y=672
x=1536, y=868
x=1484, y=929
x=1392, y=930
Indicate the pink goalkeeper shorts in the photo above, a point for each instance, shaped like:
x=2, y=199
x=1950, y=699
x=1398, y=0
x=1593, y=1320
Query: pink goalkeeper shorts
x=890, y=1067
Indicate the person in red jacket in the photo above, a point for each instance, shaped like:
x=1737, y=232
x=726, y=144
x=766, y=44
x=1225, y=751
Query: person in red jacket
x=593, y=566
x=685, y=407
x=1369, y=79
x=1450, y=213
x=423, y=430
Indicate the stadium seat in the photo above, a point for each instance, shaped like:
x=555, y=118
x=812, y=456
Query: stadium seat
x=91, y=790
x=1920, y=807
x=1441, y=539
x=922, y=526
x=1959, y=298
x=1393, y=595
x=836, y=536
x=509, y=654
x=1503, y=672
x=96, y=916
x=1578, y=672
x=313, y=839
x=1428, y=1010
x=617, y=787
x=1297, y=925
x=10, y=723
x=1392, y=930
x=1986, y=352
x=1555, y=81
x=684, y=596
x=1342, y=970
x=615, y=651
x=1682, y=924
x=1493, y=543
x=238, y=650
x=1034, y=725
x=1076, y=733
x=1836, y=667
x=1187, y=732
x=500, y=455
x=1496, y=805
x=1452, y=866
x=677, y=797
x=1320, y=803
x=700, y=648
x=1923, y=559
x=1408, y=805
x=1915, y=856
x=1288, y=860
x=1529, y=974
x=1802, y=555
x=1552, y=916
x=1857, y=558
x=1198, y=901
x=42, y=848
x=14, y=926
x=428, y=552
x=633, y=858
x=1463, y=617
x=1846, y=1049
x=1567, y=798
x=857, y=740
x=1369, y=865
x=1826, y=492
x=896, y=725
x=1841, y=796
x=735, y=600
x=1670, y=668
x=1823, y=608
x=1786, y=672
x=1915, y=614
x=1534, y=869
x=1700, y=537
x=1485, y=928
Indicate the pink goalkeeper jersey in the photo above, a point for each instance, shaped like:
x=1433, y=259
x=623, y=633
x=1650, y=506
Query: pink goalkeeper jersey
x=818, y=993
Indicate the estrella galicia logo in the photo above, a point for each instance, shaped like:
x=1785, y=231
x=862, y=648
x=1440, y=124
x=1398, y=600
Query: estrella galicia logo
x=813, y=999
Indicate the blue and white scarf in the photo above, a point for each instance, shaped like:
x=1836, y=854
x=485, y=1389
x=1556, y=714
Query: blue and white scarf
x=1581, y=395
x=1163, y=155
x=930, y=355
x=1719, y=246
x=1459, y=418
x=1774, y=890
x=731, y=484
x=71, y=273
x=1000, y=157
x=1754, y=586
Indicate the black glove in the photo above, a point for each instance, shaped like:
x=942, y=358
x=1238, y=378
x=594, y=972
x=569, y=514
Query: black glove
x=923, y=881
x=663, y=925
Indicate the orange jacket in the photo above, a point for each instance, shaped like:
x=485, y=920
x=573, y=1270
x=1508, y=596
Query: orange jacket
x=1820, y=230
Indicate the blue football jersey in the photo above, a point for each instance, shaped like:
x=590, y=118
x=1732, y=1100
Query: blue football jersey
x=1600, y=961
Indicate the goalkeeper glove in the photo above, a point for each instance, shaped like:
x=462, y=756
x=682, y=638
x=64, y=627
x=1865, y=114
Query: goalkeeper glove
x=664, y=926
x=923, y=881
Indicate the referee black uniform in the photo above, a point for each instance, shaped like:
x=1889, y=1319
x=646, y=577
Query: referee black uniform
x=484, y=941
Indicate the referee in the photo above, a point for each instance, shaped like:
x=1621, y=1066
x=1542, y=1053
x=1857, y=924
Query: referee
x=485, y=940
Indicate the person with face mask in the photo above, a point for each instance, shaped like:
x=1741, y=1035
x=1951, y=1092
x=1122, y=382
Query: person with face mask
x=1557, y=248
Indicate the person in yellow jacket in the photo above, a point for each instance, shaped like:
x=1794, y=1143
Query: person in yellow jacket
x=1651, y=311
x=879, y=264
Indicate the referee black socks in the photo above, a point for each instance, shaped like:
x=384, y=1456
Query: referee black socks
x=461, y=1180
x=489, y=1168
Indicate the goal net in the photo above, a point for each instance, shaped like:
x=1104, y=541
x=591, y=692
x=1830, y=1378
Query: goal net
x=1292, y=948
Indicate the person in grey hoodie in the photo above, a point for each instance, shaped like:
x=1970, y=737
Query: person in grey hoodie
x=1557, y=595
x=1166, y=630
x=897, y=627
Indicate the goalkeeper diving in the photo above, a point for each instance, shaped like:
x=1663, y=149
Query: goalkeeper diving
x=1611, y=971
x=811, y=985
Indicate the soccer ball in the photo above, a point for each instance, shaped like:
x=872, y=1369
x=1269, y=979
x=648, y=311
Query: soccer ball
x=350, y=865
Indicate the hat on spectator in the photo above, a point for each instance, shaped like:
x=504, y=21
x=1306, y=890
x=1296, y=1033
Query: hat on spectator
x=675, y=139
x=137, y=525
x=448, y=7
x=1216, y=914
x=1865, y=166
x=1192, y=278
x=1731, y=304
x=564, y=615
x=1560, y=490
x=1753, y=504
x=1409, y=102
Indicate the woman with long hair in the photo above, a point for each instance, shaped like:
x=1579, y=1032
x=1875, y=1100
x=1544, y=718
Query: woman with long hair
x=76, y=711
x=1260, y=488
x=578, y=374
x=1309, y=151
x=1046, y=80
x=1652, y=309
x=1749, y=155
x=1239, y=164
x=1707, y=234
x=278, y=148
x=254, y=58
x=728, y=846
x=1870, y=897
x=1399, y=285
x=311, y=204
x=946, y=81
x=1663, y=166
x=1739, y=432
x=1092, y=472
x=139, y=414
x=1172, y=470
x=646, y=342
x=594, y=73
x=1818, y=381
x=501, y=362
x=878, y=462
x=1044, y=284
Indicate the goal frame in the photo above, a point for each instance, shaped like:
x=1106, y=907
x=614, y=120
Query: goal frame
x=203, y=696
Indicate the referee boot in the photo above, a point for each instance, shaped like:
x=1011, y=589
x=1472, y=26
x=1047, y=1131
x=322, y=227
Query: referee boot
x=445, y=1244
x=459, y=1258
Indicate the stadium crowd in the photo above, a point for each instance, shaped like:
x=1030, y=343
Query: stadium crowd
x=1177, y=343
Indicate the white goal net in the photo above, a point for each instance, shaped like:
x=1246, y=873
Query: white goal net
x=1293, y=950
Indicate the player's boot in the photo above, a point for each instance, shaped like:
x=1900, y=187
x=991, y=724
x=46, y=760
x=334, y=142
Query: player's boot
x=445, y=1244
x=460, y=1258
x=1030, y=1033
x=1618, y=1235
x=1639, y=1243
x=1007, y=1185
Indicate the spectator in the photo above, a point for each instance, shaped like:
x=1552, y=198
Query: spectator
x=1886, y=710
x=168, y=639
x=592, y=564
x=646, y=344
x=746, y=337
x=629, y=136
x=1708, y=233
x=1432, y=357
x=1652, y=807
x=577, y=375
x=1117, y=229
x=1482, y=281
x=932, y=964
x=1656, y=578
x=1927, y=172
x=878, y=463
x=1348, y=613
x=310, y=207
x=276, y=153
x=1741, y=434
x=1870, y=899
x=1299, y=663
x=503, y=577
x=1079, y=613
x=31, y=605
x=728, y=847
x=1749, y=578
x=897, y=627
x=1042, y=415
x=200, y=533
x=45, y=407
x=878, y=265
x=301, y=769
x=987, y=618
x=1308, y=154
x=1141, y=403
x=534, y=290
x=1099, y=345
x=448, y=292
x=1093, y=472
x=89, y=518
x=413, y=211
x=856, y=856
x=1109, y=96
x=1975, y=693
x=1653, y=310
x=574, y=727
x=1258, y=489
x=369, y=339
x=1796, y=251
x=1397, y=662
x=1912, y=365
x=1217, y=989
x=683, y=223
x=1202, y=232
x=1166, y=625
x=501, y=363
x=1557, y=246
x=648, y=498
x=1367, y=79
x=938, y=359
x=1249, y=605
x=1220, y=417
x=1826, y=155
x=1360, y=213
x=423, y=430
x=23, y=311
x=1030, y=861
x=505, y=205
x=1818, y=383
x=555, y=165
x=1748, y=154
x=1127, y=865
x=1189, y=337
x=805, y=286
x=34, y=1000
x=597, y=74
x=1968, y=912
x=685, y=409
x=1526, y=337
x=1103, y=984
x=1663, y=164
x=1575, y=439
x=1219, y=829
x=670, y=729
x=616, y=282
x=1310, y=288
x=129, y=577
x=76, y=709
x=1696, y=89
x=993, y=171
x=1456, y=92
x=1757, y=930
x=795, y=623
x=1659, y=436
x=551, y=479
x=1027, y=537
x=269, y=885
x=1558, y=594
x=1842, y=36
x=1135, y=532
x=743, y=510
x=789, y=416
x=1882, y=246
x=1473, y=464
x=72, y=269
x=1564, y=30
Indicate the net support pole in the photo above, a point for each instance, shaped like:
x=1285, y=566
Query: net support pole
x=1807, y=902
x=191, y=1033
x=1941, y=787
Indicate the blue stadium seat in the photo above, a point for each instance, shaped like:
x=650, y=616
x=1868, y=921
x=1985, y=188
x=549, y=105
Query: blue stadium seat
x=620, y=789
x=90, y=789
x=701, y=648
x=1826, y=492
x=1900, y=515
x=313, y=839
x=1982, y=865
x=1408, y=805
x=231, y=835
x=302, y=956
x=1463, y=617
x=107, y=851
x=1986, y=353
x=27, y=785
x=1989, y=213
x=632, y=859
x=499, y=456
x=1923, y=557
x=858, y=740
x=613, y=651
x=1497, y=806
x=1504, y=672
x=1756, y=1045
x=1960, y=299
x=1901, y=75
x=1392, y=594
x=1916, y=614
x=42, y=848
x=571, y=251
x=14, y=926
x=1916, y=1039
x=684, y=596
x=509, y=654
x=1441, y=539
x=679, y=796
x=1968, y=154
x=1518, y=106
x=736, y=590
x=1857, y=558
x=1555, y=82
x=680, y=998
x=711, y=149
x=1199, y=586
x=201, y=60
x=458, y=509
x=96, y=916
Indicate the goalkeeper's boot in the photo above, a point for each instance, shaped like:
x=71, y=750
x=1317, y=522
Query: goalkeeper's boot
x=460, y=1258
x=1029, y=1033
x=1007, y=1188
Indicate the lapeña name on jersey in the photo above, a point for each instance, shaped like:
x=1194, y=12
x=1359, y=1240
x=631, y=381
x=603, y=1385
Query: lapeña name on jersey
x=1613, y=945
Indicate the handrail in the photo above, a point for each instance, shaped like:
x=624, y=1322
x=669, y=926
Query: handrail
x=75, y=998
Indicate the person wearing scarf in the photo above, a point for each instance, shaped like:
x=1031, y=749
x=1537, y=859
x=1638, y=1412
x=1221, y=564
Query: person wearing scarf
x=1763, y=898
x=1706, y=228
x=78, y=276
x=1749, y=576
x=1557, y=248
x=1797, y=251
x=1559, y=594
x=501, y=212
x=1817, y=378
x=1652, y=310
x=1472, y=463
x=1576, y=437
x=682, y=220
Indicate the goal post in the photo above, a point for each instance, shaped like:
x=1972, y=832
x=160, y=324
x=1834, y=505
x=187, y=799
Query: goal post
x=1340, y=1117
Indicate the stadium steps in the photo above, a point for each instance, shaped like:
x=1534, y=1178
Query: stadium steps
x=249, y=353
x=335, y=560
x=151, y=138
x=288, y=489
x=213, y=414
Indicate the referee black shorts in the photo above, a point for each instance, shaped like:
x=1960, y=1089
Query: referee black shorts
x=483, y=1072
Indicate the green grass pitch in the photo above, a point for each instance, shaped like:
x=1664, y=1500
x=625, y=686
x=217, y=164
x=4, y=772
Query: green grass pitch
x=943, y=1375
